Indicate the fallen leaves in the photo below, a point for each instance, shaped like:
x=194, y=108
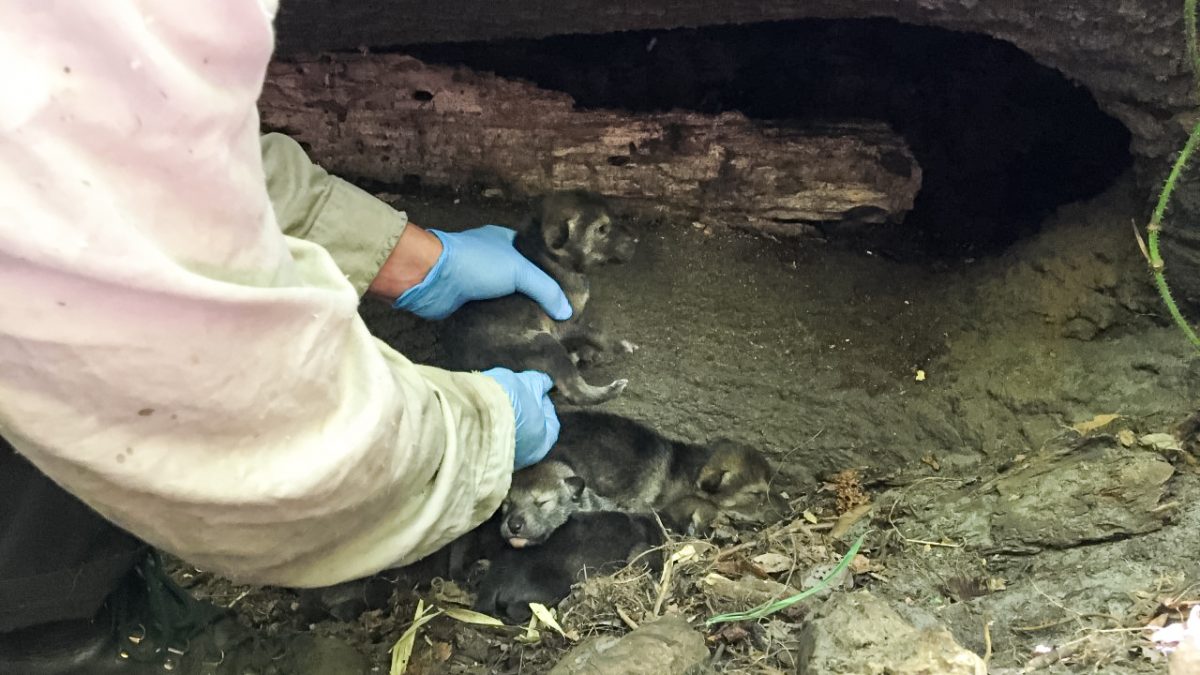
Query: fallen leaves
x=468, y=616
x=848, y=519
x=402, y=650
x=1098, y=422
x=773, y=563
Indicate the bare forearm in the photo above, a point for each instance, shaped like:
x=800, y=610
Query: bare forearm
x=410, y=261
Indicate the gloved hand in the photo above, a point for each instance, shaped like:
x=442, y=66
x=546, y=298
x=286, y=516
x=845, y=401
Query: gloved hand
x=537, y=423
x=481, y=264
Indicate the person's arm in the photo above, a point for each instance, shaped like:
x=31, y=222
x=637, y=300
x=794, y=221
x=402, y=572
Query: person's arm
x=372, y=243
x=430, y=273
x=167, y=354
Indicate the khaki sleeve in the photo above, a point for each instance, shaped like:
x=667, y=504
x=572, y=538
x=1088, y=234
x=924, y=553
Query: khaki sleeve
x=357, y=229
x=169, y=355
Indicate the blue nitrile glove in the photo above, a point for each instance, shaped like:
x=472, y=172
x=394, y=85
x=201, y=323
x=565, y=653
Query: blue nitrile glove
x=481, y=264
x=537, y=423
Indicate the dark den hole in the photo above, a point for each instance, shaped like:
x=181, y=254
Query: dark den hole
x=1002, y=139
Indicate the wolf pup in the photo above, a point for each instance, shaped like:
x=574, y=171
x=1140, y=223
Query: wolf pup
x=567, y=235
x=599, y=542
x=604, y=461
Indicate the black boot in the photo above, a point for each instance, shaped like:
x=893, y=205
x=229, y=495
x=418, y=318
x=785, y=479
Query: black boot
x=150, y=625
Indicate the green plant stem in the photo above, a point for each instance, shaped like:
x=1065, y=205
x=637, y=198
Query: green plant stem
x=769, y=608
x=1155, y=229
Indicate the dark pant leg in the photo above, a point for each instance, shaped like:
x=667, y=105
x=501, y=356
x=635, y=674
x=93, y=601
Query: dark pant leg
x=59, y=559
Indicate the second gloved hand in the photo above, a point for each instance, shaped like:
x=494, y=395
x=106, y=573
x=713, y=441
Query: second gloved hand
x=536, y=422
x=481, y=264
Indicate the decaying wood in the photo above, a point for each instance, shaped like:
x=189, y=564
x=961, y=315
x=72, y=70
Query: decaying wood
x=385, y=117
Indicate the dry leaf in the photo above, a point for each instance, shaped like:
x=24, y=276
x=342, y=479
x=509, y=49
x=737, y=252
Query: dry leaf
x=773, y=563
x=713, y=578
x=920, y=377
x=685, y=554
x=1160, y=441
x=861, y=564
x=468, y=616
x=848, y=519
x=402, y=650
x=1126, y=438
x=448, y=592
x=932, y=462
x=810, y=517
x=1097, y=422
x=1157, y=622
x=546, y=616
x=731, y=567
x=996, y=584
x=532, y=635
x=733, y=633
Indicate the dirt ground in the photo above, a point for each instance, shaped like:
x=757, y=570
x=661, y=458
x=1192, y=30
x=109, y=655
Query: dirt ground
x=995, y=411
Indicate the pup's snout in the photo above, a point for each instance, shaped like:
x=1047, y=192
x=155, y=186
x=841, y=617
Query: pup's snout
x=515, y=524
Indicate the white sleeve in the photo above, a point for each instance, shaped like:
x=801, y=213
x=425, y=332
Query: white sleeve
x=166, y=353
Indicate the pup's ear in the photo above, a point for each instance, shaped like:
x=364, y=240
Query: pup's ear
x=556, y=231
x=575, y=484
x=712, y=480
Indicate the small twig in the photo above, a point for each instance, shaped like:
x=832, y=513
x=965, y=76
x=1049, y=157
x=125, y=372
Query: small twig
x=921, y=542
x=1141, y=242
x=625, y=617
x=797, y=525
x=664, y=584
x=924, y=542
x=239, y=597
x=987, y=641
x=725, y=552
x=1044, y=626
x=768, y=608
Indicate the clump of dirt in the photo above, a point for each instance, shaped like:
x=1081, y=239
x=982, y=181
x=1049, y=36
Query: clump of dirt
x=847, y=485
x=1005, y=431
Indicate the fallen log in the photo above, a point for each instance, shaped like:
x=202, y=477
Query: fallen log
x=392, y=118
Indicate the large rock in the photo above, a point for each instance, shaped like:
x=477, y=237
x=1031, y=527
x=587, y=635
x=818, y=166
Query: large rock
x=668, y=646
x=1097, y=492
x=860, y=634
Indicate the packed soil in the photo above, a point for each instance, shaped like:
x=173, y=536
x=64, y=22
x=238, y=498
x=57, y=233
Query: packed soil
x=1009, y=432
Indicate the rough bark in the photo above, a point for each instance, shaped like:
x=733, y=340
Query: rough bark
x=387, y=116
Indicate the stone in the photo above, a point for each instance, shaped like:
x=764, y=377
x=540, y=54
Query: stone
x=1087, y=497
x=1099, y=491
x=666, y=646
x=861, y=634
